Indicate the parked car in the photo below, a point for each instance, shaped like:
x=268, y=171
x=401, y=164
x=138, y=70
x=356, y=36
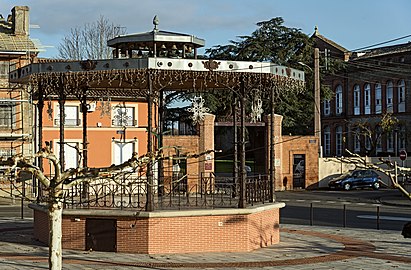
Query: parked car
x=356, y=179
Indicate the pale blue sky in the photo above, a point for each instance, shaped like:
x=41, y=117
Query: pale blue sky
x=351, y=23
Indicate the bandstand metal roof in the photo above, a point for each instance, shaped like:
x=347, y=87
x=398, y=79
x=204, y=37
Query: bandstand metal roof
x=130, y=77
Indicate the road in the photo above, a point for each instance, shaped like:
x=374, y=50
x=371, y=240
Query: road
x=355, y=209
x=319, y=207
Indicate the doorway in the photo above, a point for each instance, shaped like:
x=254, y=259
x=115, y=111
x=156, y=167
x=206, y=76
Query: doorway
x=101, y=234
x=299, y=171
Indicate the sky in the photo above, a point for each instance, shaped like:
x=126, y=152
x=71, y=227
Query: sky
x=352, y=24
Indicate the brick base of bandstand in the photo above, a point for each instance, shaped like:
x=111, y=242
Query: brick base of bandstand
x=182, y=231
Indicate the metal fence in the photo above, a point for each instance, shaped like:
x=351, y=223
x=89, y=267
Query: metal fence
x=129, y=190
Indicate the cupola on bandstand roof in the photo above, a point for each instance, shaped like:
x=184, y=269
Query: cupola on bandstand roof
x=156, y=43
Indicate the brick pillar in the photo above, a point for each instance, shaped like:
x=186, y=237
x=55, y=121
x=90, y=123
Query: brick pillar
x=278, y=119
x=206, y=162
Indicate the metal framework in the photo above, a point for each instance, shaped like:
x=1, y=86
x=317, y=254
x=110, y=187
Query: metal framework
x=145, y=79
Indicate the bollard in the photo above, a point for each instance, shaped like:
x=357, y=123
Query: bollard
x=344, y=216
x=378, y=217
x=311, y=214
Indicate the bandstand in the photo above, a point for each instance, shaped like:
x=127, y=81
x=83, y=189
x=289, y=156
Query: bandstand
x=148, y=213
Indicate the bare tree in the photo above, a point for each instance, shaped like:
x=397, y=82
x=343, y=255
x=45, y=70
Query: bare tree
x=387, y=167
x=89, y=41
x=60, y=182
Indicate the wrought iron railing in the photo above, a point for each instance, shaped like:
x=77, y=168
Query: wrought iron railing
x=129, y=191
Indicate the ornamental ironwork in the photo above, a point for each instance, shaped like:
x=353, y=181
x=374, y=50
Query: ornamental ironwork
x=198, y=109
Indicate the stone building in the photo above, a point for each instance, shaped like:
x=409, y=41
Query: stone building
x=16, y=51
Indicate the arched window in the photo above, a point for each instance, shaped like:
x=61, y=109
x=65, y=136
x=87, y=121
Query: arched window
x=338, y=141
x=356, y=99
x=338, y=100
x=327, y=141
x=401, y=96
x=367, y=98
x=357, y=140
x=389, y=96
x=378, y=101
x=326, y=107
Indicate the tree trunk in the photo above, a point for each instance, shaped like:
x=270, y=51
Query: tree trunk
x=55, y=250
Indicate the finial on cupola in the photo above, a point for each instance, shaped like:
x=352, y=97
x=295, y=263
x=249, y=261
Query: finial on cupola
x=156, y=21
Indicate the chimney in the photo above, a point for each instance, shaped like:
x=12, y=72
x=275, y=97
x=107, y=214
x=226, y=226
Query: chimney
x=20, y=19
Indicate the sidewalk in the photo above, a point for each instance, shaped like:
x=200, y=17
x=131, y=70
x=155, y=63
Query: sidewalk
x=301, y=247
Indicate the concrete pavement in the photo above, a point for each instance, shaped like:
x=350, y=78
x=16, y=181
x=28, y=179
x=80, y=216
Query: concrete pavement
x=301, y=247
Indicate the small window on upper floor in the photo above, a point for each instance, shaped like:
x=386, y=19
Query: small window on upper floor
x=367, y=98
x=338, y=100
x=71, y=116
x=7, y=114
x=389, y=96
x=401, y=96
x=123, y=116
x=356, y=99
x=378, y=99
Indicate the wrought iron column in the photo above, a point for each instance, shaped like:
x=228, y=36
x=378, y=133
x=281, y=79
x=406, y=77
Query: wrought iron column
x=149, y=204
x=40, y=107
x=62, y=120
x=160, y=143
x=84, y=114
x=243, y=174
x=272, y=146
x=235, y=142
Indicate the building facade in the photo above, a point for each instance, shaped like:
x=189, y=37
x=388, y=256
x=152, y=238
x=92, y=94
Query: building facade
x=16, y=51
x=370, y=111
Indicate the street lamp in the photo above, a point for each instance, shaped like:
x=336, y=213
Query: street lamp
x=317, y=111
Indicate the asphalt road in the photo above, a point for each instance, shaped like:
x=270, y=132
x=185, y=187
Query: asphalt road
x=354, y=209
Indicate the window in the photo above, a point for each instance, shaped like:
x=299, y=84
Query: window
x=327, y=141
x=401, y=96
x=389, y=95
x=4, y=69
x=339, y=141
x=338, y=100
x=390, y=142
x=367, y=99
x=356, y=99
x=7, y=152
x=378, y=103
x=123, y=116
x=7, y=114
x=71, y=115
x=71, y=154
x=123, y=151
x=326, y=105
x=367, y=141
x=402, y=138
x=357, y=142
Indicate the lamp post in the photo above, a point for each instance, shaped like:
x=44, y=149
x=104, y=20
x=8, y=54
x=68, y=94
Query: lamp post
x=317, y=100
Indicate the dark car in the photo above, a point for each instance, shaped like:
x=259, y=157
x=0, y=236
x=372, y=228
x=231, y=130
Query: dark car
x=356, y=179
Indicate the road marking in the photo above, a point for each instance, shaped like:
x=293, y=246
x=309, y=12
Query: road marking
x=331, y=202
x=300, y=200
x=361, y=203
x=316, y=201
x=391, y=218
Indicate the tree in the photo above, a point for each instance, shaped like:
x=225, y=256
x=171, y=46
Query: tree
x=275, y=43
x=57, y=184
x=392, y=170
x=372, y=130
x=89, y=41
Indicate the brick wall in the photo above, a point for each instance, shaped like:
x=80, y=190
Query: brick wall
x=228, y=230
x=296, y=145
